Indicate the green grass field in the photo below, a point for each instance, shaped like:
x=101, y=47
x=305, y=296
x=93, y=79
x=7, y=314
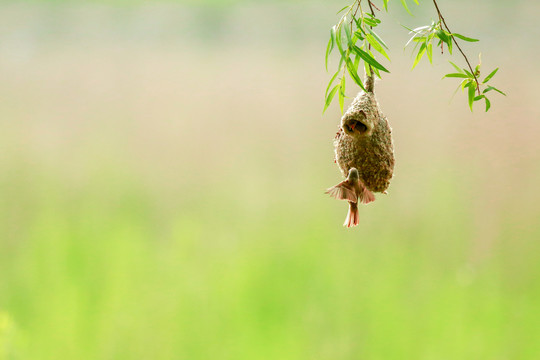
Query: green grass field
x=112, y=275
x=163, y=199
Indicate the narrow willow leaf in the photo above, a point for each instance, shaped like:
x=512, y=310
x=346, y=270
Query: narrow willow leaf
x=346, y=7
x=329, y=98
x=420, y=28
x=455, y=75
x=372, y=17
x=419, y=55
x=490, y=75
x=331, y=82
x=359, y=34
x=338, y=41
x=369, y=59
x=404, y=3
x=411, y=30
x=471, y=95
x=354, y=73
x=411, y=39
x=368, y=70
x=378, y=38
x=430, y=52
x=376, y=45
x=376, y=71
x=341, y=93
x=371, y=70
x=356, y=61
x=348, y=33
x=416, y=2
x=468, y=73
x=488, y=104
x=330, y=46
x=456, y=67
x=385, y=4
x=489, y=88
x=370, y=22
x=479, y=97
x=465, y=38
x=442, y=35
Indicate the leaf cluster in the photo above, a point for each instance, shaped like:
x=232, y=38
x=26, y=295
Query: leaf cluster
x=424, y=36
x=471, y=83
x=358, y=46
x=355, y=38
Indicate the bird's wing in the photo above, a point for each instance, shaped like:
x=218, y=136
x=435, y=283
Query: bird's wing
x=343, y=191
x=365, y=195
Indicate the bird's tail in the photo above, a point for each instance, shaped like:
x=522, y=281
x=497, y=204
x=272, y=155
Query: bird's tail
x=353, y=217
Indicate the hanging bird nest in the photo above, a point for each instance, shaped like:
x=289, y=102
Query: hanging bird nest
x=363, y=142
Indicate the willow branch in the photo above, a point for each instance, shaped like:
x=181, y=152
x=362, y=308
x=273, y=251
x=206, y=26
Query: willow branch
x=441, y=18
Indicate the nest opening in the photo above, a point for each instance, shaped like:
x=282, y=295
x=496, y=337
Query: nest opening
x=353, y=126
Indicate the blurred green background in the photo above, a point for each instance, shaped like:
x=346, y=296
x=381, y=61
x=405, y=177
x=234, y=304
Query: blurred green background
x=162, y=169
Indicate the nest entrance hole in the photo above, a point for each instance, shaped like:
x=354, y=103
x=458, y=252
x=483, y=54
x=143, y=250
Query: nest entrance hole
x=353, y=126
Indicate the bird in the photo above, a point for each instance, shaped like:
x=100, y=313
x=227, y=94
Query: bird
x=353, y=190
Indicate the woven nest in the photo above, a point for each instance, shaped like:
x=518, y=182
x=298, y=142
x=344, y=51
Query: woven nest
x=364, y=141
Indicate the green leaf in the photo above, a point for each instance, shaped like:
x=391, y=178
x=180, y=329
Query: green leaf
x=330, y=97
x=455, y=75
x=376, y=45
x=348, y=33
x=330, y=47
x=385, y=4
x=356, y=61
x=465, y=38
x=404, y=3
x=411, y=39
x=338, y=42
x=489, y=88
x=490, y=75
x=419, y=55
x=370, y=22
x=378, y=38
x=354, y=73
x=441, y=34
x=456, y=67
x=348, y=6
x=488, y=104
x=477, y=70
x=369, y=59
x=471, y=95
x=373, y=17
x=341, y=93
x=331, y=81
x=430, y=52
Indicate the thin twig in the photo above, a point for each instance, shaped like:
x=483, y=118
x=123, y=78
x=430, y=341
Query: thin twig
x=441, y=18
x=371, y=27
x=372, y=4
